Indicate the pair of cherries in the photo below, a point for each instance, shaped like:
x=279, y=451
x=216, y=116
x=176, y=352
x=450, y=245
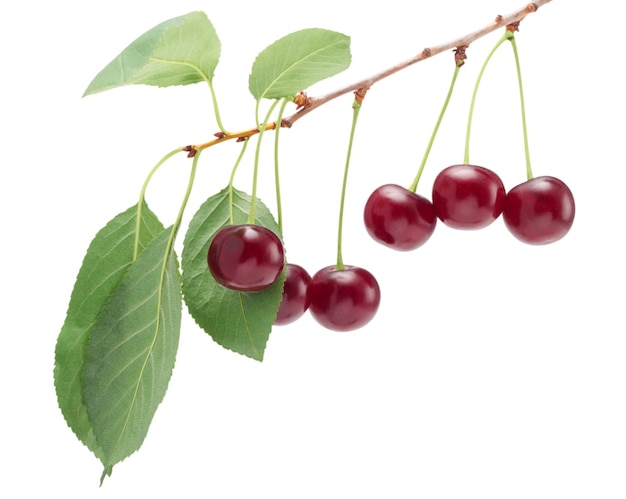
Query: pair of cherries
x=250, y=258
x=538, y=211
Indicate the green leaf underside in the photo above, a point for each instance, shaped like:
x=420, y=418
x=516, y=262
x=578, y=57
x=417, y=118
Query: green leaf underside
x=297, y=61
x=131, y=351
x=108, y=258
x=180, y=51
x=240, y=322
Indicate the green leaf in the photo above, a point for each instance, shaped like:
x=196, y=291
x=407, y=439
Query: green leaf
x=297, y=61
x=108, y=257
x=179, y=51
x=241, y=322
x=131, y=351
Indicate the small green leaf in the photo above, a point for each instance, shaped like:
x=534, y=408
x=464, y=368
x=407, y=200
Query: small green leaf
x=297, y=61
x=108, y=257
x=241, y=322
x=179, y=51
x=131, y=351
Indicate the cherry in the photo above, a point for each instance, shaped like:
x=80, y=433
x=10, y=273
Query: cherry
x=343, y=300
x=539, y=211
x=399, y=218
x=295, y=299
x=468, y=196
x=246, y=257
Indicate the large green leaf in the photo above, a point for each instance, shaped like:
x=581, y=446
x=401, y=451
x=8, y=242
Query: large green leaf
x=108, y=258
x=179, y=51
x=297, y=61
x=131, y=351
x=241, y=322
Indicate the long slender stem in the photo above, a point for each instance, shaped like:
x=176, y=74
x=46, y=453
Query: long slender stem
x=529, y=171
x=471, y=110
x=232, y=179
x=255, y=175
x=413, y=186
x=142, y=197
x=355, y=115
x=279, y=206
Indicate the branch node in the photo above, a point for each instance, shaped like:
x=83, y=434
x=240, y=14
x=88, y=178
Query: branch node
x=359, y=95
x=285, y=123
x=426, y=52
x=190, y=150
x=513, y=27
x=302, y=101
x=219, y=135
x=460, y=55
x=532, y=7
x=499, y=19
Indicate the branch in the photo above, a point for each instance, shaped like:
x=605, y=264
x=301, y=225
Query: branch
x=308, y=104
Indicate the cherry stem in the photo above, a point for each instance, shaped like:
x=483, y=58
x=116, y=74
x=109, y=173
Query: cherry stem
x=466, y=159
x=413, y=186
x=355, y=115
x=279, y=208
x=232, y=179
x=529, y=171
x=252, y=215
x=142, y=196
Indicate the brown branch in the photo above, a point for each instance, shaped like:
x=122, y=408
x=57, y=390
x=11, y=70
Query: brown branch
x=307, y=104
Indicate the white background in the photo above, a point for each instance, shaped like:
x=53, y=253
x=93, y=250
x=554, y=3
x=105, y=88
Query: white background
x=493, y=369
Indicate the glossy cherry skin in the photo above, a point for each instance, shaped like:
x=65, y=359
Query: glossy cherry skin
x=539, y=211
x=398, y=218
x=468, y=196
x=295, y=301
x=246, y=257
x=343, y=300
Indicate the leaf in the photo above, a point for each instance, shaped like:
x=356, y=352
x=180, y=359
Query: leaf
x=238, y=321
x=179, y=51
x=297, y=61
x=131, y=351
x=108, y=257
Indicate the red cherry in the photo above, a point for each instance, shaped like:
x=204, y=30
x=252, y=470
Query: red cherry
x=343, y=300
x=398, y=218
x=539, y=211
x=295, y=298
x=246, y=257
x=468, y=196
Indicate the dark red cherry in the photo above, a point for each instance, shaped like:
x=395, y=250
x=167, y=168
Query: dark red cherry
x=246, y=257
x=539, y=211
x=343, y=300
x=295, y=299
x=468, y=196
x=398, y=218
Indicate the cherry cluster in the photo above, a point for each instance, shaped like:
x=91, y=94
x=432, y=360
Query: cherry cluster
x=538, y=211
x=250, y=258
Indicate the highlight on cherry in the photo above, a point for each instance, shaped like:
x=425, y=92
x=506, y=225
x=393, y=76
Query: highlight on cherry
x=117, y=348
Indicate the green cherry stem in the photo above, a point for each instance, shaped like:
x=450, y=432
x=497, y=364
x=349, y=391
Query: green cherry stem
x=252, y=215
x=356, y=107
x=413, y=186
x=471, y=111
x=529, y=171
x=232, y=179
x=142, y=197
x=279, y=209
